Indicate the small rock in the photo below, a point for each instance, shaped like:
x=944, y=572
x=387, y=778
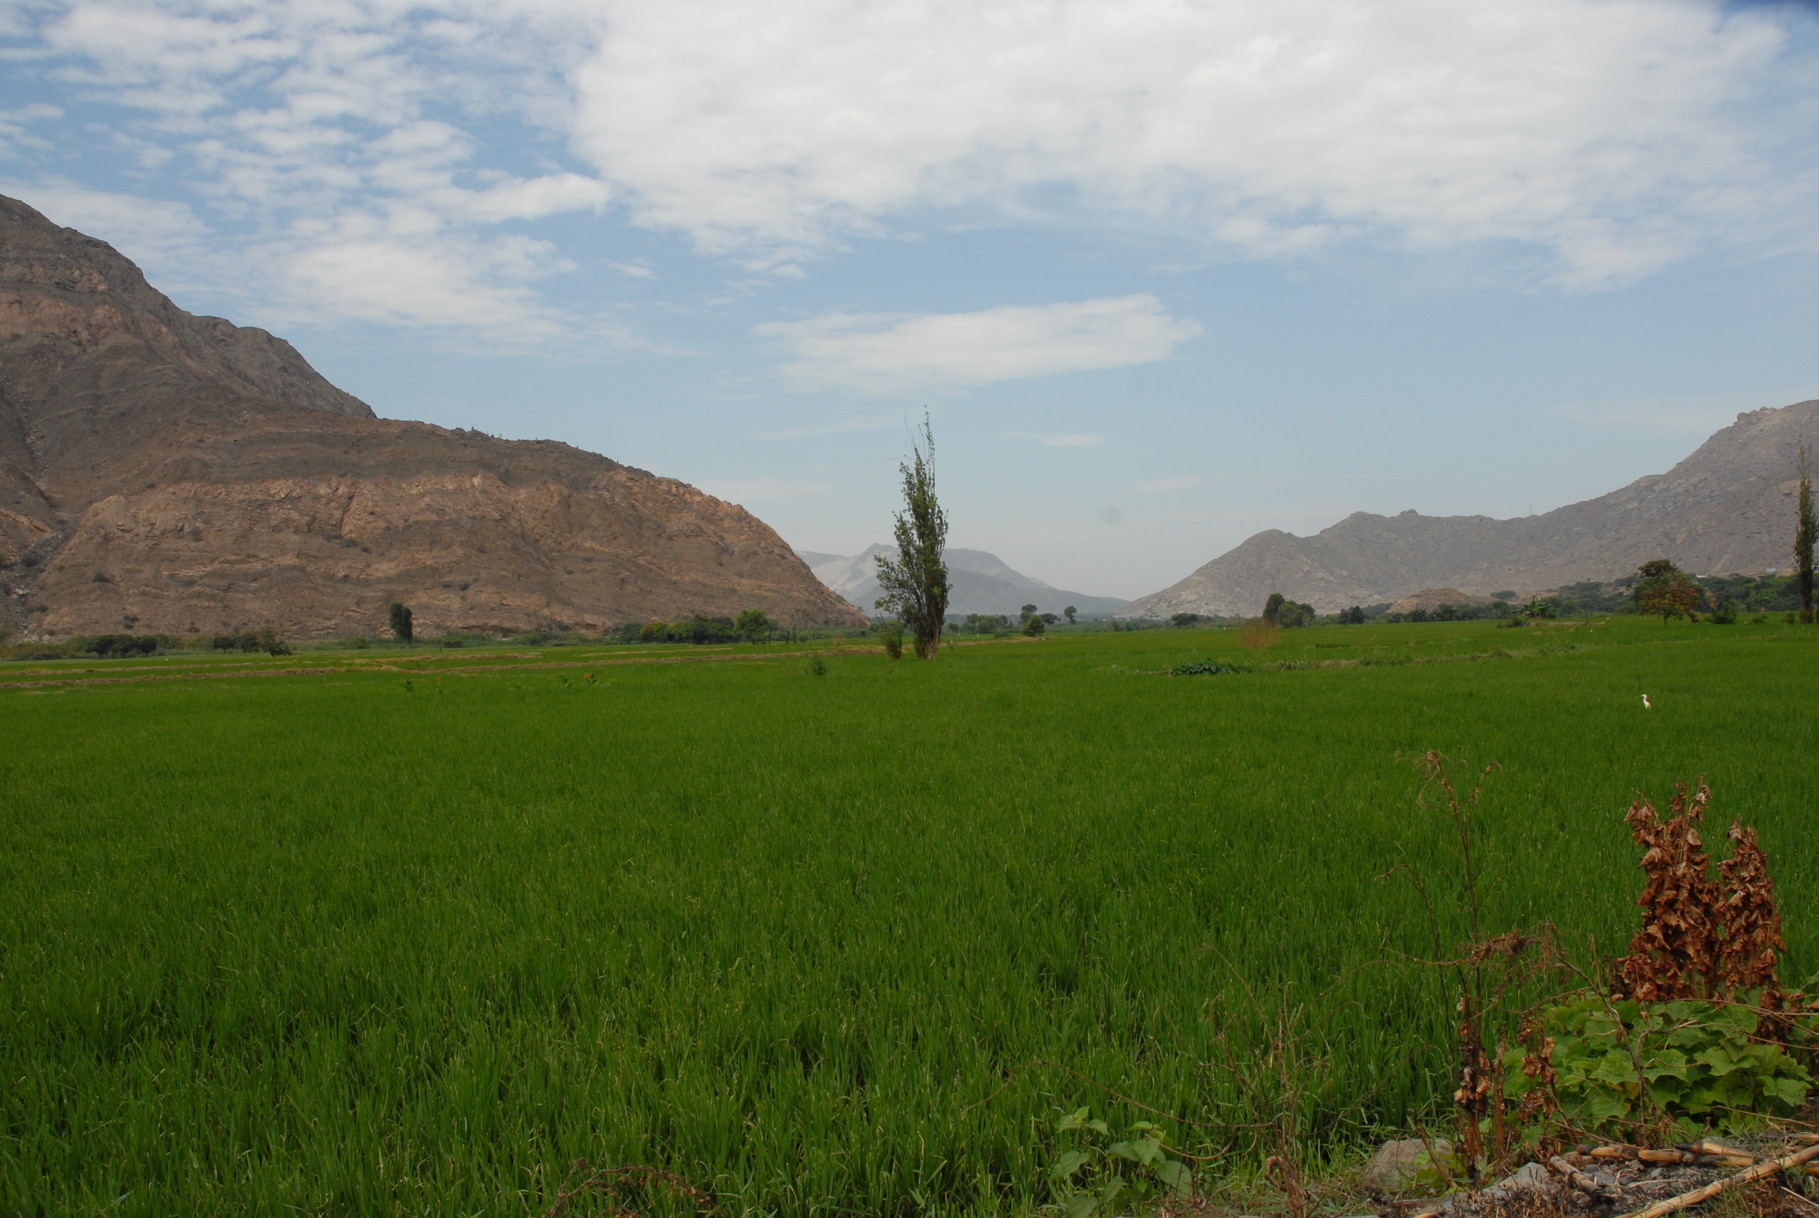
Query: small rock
x=1396, y=1164
x=1529, y=1176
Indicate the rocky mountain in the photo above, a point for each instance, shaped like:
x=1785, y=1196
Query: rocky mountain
x=982, y=583
x=166, y=472
x=1728, y=508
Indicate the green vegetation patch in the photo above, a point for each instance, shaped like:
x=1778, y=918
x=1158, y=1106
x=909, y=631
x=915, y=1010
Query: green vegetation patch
x=324, y=944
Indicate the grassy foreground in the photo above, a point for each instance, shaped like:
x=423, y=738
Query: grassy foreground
x=322, y=943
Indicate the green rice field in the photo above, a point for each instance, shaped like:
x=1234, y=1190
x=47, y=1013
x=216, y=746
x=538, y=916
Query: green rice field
x=391, y=932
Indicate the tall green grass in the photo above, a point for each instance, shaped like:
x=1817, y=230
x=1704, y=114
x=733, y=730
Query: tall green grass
x=321, y=944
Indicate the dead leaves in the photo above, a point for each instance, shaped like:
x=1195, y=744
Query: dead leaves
x=1700, y=937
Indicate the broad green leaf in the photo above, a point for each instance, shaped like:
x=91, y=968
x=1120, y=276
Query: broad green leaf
x=1615, y=1068
x=1718, y=1059
x=1789, y=1091
x=1176, y=1176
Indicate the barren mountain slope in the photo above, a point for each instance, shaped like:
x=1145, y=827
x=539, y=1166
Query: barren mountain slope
x=1726, y=508
x=160, y=471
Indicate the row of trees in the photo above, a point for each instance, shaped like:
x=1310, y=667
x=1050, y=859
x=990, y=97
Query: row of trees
x=126, y=646
x=750, y=626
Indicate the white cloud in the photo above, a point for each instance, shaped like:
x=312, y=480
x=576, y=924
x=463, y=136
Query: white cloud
x=333, y=147
x=637, y=268
x=890, y=352
x=437, y=285
x=16, y=126
x=122, y=220
x=1614, y=134
x=1159, y=486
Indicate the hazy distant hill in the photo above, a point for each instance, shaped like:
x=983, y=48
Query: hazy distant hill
x=161, y=471
x=1728, y=508
x=982, y=583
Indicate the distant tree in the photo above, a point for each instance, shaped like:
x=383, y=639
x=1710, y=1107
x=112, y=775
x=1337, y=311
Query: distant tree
x=1069, y=613
x=1033, y=625
x=1663, y=588
x=1184, y=620
x=985, y=623
x=654, y=632
x=1273, y=606
x=891, y=635
x=1049, y=618
x=752, y=625
x=1543, y=607
x=1294, y=613
x=1027, y=611
x=915, y=582
x=1806, y=532
x=399, y=617
x=1352, y=617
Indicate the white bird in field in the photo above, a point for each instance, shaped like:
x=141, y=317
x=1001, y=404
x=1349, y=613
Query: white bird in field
x=1644, y=701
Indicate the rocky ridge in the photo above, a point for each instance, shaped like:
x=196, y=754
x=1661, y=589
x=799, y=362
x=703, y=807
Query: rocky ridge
x=1728, y=508
x=161, y=471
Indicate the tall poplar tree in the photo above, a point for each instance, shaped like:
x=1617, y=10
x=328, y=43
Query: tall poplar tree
x=1806, y=532
x=915, y=582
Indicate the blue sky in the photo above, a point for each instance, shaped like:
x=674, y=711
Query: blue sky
x=1162, y=273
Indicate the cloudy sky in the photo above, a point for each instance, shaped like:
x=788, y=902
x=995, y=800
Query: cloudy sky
x=1162, y=272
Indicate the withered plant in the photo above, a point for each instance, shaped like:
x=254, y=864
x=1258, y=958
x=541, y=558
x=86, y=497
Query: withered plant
x=630, y=1191
x=1701, y=937
x=1748, y=953
x=1488, y=971
x=1260, y=635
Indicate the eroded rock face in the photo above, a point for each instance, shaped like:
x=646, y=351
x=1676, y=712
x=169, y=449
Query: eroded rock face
x=1431, y=599
x=1728, y=508
x=166, y=472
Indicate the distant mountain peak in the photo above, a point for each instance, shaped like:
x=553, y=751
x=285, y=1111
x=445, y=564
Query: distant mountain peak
x=1727, y=508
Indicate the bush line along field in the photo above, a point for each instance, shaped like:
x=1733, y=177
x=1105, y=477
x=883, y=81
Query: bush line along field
x=326, y=943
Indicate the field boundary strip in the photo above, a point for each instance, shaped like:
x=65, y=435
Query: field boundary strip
x=149, y=678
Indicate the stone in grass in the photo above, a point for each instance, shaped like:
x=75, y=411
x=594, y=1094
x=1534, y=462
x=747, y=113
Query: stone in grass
x=1396, y=1165
x=1531, y=1176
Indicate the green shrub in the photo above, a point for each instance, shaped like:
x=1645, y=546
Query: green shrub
x=752, y=625
x=1703, y=1061
x=1100, y=1174
x=398, y=617
x=113, y=645
x=1204, y=668
x=891, y=635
